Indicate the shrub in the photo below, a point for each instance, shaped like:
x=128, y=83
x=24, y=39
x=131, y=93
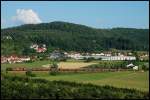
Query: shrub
x=28, y=88
x=29, y=73
x=8, y=69
x=88, y=59
x=145, y=67
x=54, y=68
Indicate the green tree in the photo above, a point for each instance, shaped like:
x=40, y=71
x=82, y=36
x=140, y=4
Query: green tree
x=29, y=73
x=54, y=68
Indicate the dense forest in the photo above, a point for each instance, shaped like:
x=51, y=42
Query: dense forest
x=71, y=37
x=19, y=87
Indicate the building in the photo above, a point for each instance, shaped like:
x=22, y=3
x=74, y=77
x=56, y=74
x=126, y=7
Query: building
x=14, y=59
x=118, y=57
x=57, y=55
x=39, y=50
x=101, y=56
x=75, y=56
x=135, y=68
x=130, y=65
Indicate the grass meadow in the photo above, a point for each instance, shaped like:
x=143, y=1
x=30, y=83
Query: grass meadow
x=125, y=79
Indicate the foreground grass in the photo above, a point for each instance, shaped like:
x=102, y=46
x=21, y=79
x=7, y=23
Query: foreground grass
x=126, y=79
x=14, y=87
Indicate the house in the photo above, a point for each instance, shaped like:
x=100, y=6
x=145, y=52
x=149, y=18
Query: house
x=3, y=59
x=129, y=53
x=130, y=65
x=34, y=46
x=76, y=56
x=144, y=57
x=108, y=54
x=25, y=59
x=44, y=45
x=41, y=50
x=121, y=57
x=38, y=48
x=135, y=68
x=102, y=56
x=14, y=59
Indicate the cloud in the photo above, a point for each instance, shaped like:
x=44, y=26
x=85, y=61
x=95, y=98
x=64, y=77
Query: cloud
x=26, y=16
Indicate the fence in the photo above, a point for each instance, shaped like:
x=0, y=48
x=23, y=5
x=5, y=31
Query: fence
x=70, y=70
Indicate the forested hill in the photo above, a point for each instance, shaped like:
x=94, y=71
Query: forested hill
x=72, y=37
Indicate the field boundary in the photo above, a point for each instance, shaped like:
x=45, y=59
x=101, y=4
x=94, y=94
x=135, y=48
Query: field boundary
x=71, y=70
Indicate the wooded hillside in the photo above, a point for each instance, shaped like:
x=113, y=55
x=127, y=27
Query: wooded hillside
x=72, y=37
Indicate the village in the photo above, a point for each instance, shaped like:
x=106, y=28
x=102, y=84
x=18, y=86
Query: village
x=56, y=54
x=59, y=55
x=74, y=50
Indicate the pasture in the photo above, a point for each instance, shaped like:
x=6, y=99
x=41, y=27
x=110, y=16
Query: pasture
x=125, y=79
x=27, y=65
x=45, y=63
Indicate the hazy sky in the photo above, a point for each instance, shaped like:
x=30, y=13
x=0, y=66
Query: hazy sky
x=98, y=14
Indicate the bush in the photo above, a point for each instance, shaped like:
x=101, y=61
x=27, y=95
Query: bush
x=145, y=67
x=89, y=59
x=8, y=69
x=110, y=64
x=30, y=61
x=29, y=73
x=54, y=68
x=28, y=88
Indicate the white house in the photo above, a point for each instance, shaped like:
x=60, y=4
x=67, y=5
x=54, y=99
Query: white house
x=34, y=46
x=135, y=68
x=130, y=65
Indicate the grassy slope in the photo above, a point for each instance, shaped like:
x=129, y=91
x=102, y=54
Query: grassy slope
x=128, y=79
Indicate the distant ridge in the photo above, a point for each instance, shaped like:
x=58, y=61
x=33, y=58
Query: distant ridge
x=73, y=37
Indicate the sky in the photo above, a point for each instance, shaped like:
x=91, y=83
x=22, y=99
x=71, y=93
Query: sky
x=96, y=14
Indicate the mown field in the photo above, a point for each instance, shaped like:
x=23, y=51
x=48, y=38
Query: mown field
x=126, y=79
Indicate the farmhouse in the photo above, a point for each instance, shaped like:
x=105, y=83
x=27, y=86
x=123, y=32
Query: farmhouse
x=38, y=48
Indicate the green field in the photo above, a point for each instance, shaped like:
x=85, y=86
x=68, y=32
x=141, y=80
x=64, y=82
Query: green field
x=127, y=79
x=29, y=65
x=69, y=64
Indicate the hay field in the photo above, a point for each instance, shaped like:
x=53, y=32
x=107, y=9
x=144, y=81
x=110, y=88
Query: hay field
x=71, y=65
